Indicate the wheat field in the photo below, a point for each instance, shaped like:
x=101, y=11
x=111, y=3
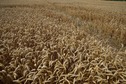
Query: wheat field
x=62, y=42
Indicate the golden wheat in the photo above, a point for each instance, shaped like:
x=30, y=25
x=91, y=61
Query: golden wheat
x=59, y=45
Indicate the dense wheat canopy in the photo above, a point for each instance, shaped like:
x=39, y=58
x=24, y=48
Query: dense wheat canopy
x=53, y=42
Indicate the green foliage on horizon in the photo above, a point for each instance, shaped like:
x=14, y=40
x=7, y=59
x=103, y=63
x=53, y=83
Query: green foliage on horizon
x=116, y=0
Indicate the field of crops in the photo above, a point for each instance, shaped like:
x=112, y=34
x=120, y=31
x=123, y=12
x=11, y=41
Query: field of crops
x=62, y=42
